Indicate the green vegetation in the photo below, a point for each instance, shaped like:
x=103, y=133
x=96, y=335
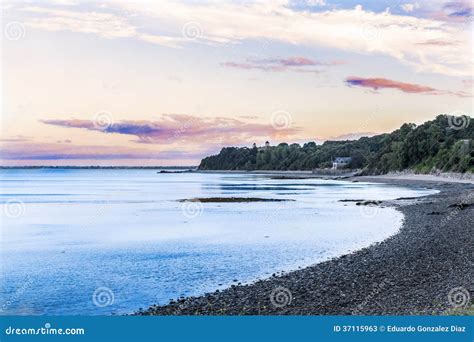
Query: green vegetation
x=434, y=145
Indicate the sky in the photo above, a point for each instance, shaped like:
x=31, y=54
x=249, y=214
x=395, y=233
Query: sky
x=161, y=83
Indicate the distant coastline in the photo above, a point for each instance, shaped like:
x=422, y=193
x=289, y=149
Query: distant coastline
x=103, y=167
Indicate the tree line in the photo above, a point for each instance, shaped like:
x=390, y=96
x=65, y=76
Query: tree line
x=444, y=144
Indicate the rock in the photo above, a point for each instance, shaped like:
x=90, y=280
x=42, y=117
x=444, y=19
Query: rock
x=460, y=206
x=370, y=202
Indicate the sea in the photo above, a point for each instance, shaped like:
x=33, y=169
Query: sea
x=112, y=241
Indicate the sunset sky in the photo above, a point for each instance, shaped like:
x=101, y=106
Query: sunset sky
x=169, y=82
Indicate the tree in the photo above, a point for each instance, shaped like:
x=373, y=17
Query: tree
x=432, y=145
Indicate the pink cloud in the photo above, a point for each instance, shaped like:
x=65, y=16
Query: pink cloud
x=296, y=63
x=381, y=83
x=171, y=128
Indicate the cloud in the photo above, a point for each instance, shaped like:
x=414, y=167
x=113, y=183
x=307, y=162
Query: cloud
x=248, y=117
x=16, y=138
x=316, y=2
x=381, y=83
x=106, y=25
x=297, y=63
x=452, y=11
x=51, y=151
x=468, y=83
x=172, y=128
x=66, y=2
x=459, y=8
x=410, y=7
x=440, y=42
x=170, y=138
x=397, y=36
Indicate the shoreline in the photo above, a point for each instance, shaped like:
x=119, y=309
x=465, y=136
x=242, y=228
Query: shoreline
x=350, y=175
x=411, y=272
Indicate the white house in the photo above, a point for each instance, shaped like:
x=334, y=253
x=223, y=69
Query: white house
x=341, y=162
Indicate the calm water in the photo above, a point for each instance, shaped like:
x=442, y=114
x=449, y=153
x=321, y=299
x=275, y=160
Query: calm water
x=75, y=240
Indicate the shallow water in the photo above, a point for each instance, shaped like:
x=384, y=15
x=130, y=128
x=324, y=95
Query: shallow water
x=112, y=241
